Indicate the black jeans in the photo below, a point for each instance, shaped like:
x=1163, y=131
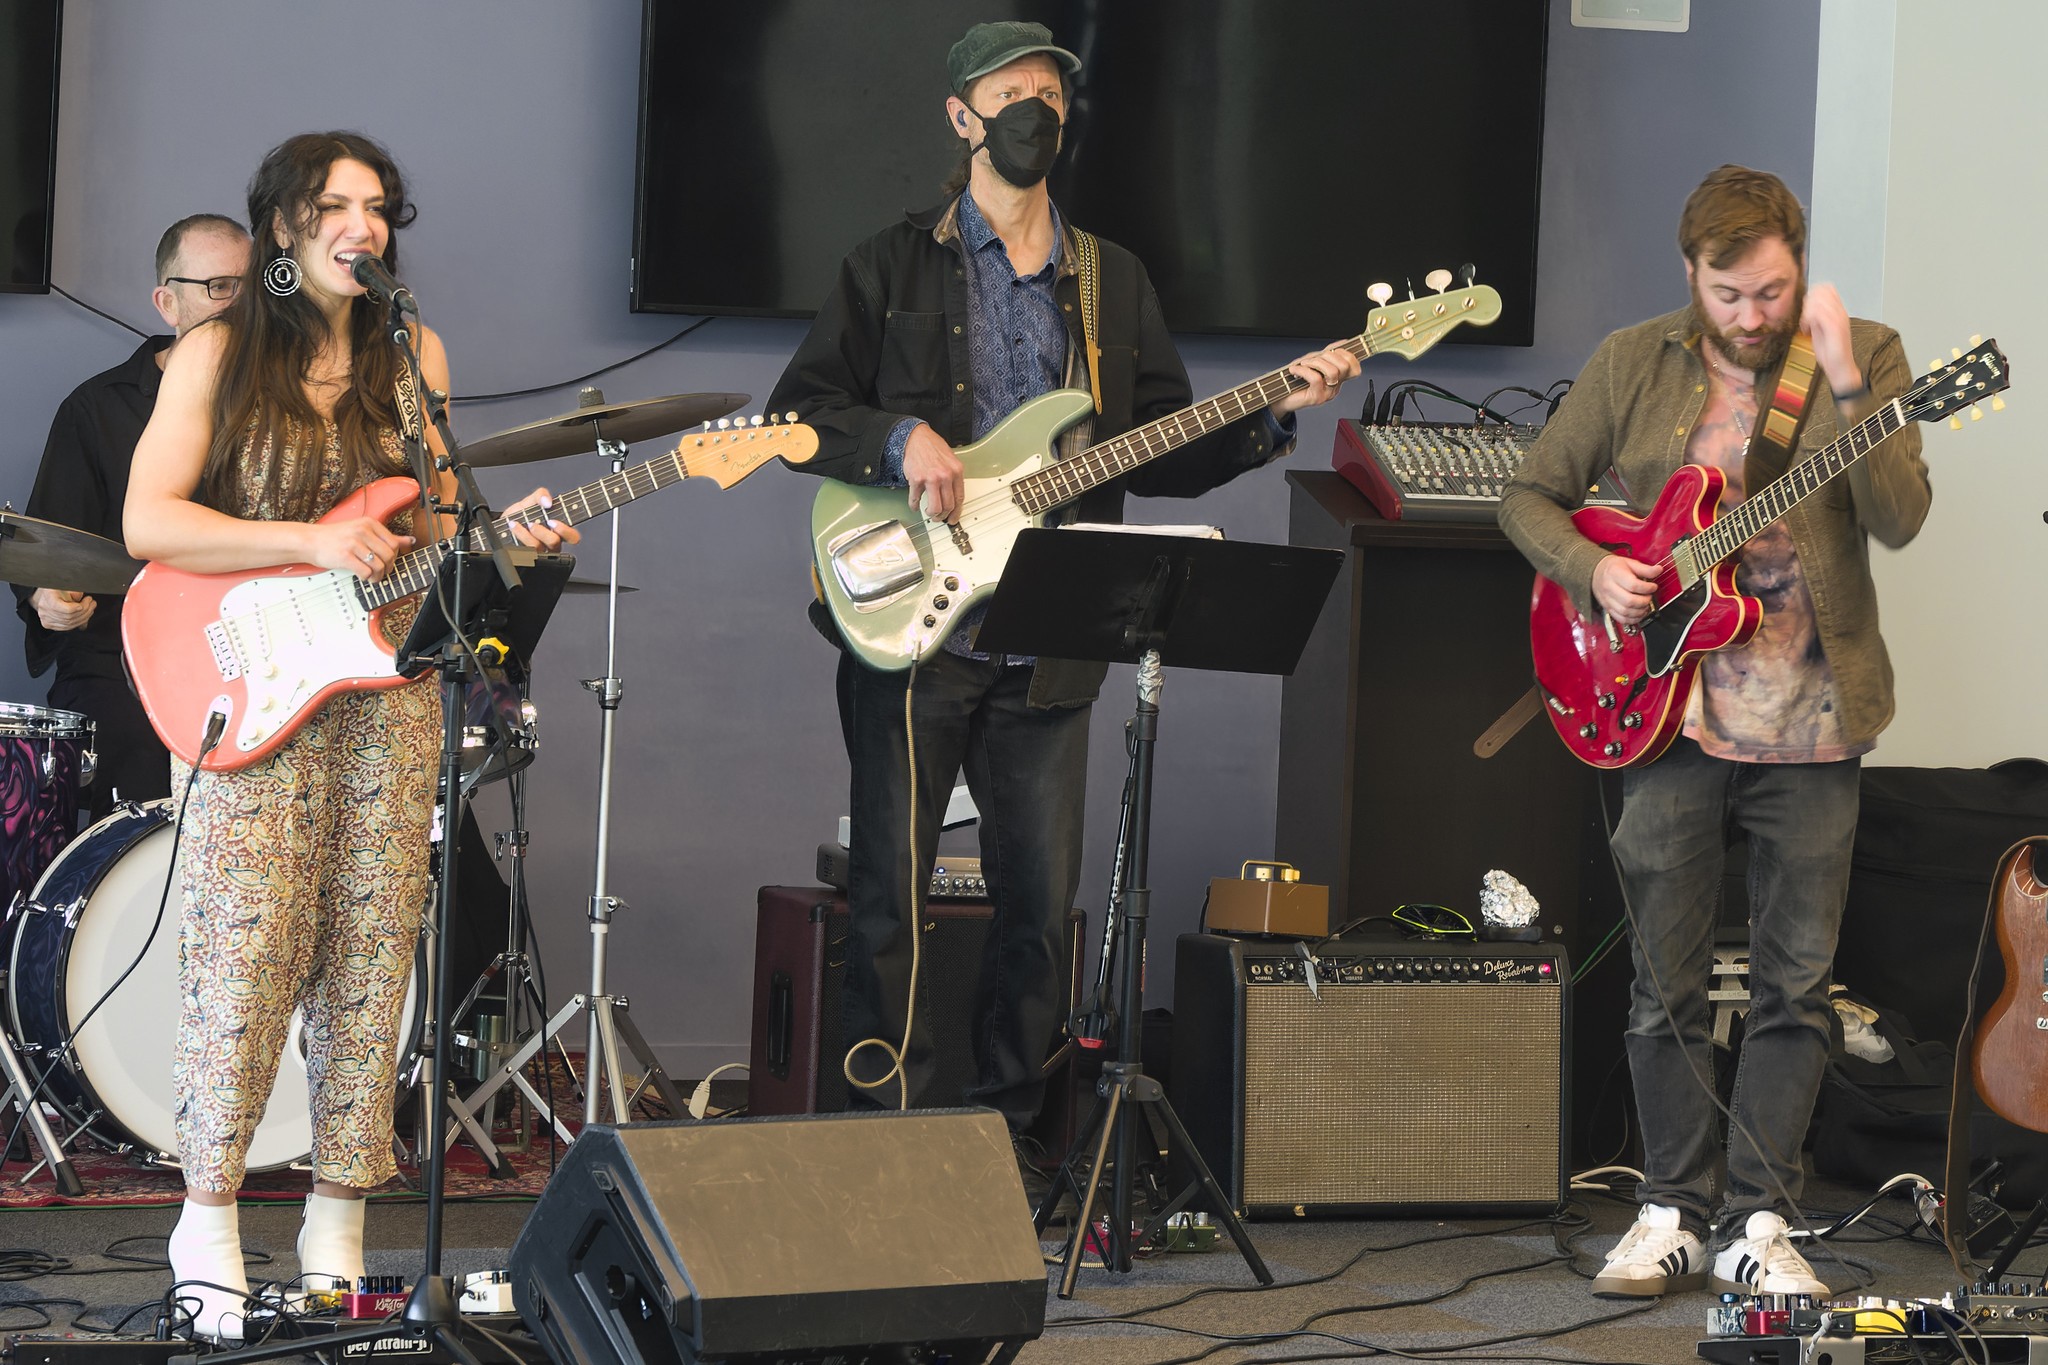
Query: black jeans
x=133, y=761
x=1027, y=770
x=1801, y=821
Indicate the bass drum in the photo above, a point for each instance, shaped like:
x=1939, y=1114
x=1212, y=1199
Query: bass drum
x=81, y=930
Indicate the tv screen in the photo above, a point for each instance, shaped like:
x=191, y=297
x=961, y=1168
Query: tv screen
x=1266, y=159
x=28, y=140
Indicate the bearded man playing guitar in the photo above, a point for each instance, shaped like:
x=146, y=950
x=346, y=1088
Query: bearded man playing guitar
x=1773, y=739
x=938, y=327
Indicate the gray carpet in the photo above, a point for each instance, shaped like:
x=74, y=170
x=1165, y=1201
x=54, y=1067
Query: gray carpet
x=1364, y=1297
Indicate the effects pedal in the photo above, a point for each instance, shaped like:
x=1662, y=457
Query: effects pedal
x=953, y=879
x=487, y=1291
x=375, y=1296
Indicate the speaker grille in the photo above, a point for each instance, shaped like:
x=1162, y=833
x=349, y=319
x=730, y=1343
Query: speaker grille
x=1401, y=1093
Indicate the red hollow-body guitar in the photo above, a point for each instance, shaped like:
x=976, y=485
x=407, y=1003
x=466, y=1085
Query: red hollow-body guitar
x=1618, y=698
x=2007, y=1057
x=269, y=647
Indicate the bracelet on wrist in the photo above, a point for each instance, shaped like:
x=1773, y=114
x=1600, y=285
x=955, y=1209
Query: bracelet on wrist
x=1850, y=395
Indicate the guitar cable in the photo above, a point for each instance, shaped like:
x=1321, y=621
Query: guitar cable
x=216, y=726
x=1757, y=1145
x=896, y=1054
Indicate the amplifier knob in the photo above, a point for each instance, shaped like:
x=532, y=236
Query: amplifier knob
x=1436, y=969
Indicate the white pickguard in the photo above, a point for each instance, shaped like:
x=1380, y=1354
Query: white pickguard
x=291, y=637
x=991, y=531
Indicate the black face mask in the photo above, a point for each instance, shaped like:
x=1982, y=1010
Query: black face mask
x=1022, y=141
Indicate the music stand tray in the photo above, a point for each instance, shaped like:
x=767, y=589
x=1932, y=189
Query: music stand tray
x=1152, y=600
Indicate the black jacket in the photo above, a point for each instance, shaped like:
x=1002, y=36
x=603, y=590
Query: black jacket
x=82, y=482
x=890, y=342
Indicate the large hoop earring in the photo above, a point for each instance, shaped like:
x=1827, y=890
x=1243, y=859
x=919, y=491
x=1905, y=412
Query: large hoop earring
x=282, y=276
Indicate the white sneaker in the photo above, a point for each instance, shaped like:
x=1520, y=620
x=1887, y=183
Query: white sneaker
x=1657, y=1256
x=1763, y=1262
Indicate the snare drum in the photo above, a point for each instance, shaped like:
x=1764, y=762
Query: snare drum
x=45, y=757
x=83, y=926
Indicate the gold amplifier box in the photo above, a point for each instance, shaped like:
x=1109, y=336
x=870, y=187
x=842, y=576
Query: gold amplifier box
x=1268, y=898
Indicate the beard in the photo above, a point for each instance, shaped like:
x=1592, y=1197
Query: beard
x=1766, y=353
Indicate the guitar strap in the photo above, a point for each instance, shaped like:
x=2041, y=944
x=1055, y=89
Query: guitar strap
x=1091, y=282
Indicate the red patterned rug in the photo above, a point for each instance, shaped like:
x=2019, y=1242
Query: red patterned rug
x=114, y=1180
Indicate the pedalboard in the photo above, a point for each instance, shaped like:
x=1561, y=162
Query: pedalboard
x=2009, y=1322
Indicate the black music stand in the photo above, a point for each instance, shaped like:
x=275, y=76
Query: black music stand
x=1152, y=600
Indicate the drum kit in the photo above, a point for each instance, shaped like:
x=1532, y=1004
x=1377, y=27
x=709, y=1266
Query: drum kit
x=88, y=1026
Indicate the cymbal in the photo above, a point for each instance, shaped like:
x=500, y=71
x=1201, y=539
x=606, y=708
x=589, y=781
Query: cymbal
x=42, y=554
x=573, y=433
x=591, y=587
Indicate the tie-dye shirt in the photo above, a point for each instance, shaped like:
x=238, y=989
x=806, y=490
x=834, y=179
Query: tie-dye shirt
x=1773, y=699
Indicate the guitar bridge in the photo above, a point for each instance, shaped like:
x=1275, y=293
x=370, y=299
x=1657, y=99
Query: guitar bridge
x=876, y=562
x=224, y=657
x=960, y=540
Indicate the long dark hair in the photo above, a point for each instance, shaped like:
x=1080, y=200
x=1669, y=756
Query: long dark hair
x=272, y=342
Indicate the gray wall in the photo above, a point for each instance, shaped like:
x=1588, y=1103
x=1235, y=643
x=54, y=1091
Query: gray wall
x=515, y=123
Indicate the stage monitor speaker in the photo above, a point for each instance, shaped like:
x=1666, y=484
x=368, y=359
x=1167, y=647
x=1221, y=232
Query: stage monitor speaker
x=858, y=1238
x=1409, y=1076
x=794, y=1062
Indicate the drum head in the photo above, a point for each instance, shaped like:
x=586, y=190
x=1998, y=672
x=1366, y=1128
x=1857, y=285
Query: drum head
x=125, y=1051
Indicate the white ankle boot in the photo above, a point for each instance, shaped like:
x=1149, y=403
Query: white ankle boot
x=206, y=1246
x=331, y=1243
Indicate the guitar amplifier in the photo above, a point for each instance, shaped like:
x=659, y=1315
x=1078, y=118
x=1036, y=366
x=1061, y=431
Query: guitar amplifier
x=1406, y=1076
x=794, y=1062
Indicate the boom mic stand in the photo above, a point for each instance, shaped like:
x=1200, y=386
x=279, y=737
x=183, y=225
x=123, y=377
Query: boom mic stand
x=1135, y=598
x=606, y=1019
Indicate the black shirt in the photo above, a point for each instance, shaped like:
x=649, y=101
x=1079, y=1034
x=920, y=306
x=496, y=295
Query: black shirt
x=82, y=482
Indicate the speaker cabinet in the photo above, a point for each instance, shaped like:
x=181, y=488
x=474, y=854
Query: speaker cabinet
x=1408, y=1077
x=794, y=1062
x=851, y=1237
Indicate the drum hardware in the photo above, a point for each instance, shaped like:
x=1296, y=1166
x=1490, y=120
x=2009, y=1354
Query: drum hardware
x=606, y=1019
x=578, y=432
x=44, y=554
x=46, y=756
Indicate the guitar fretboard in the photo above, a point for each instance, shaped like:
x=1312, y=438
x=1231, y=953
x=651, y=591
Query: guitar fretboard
x=1070, y=478
x=1729, y=534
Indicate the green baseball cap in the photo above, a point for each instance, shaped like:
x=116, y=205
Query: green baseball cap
x=989, y=46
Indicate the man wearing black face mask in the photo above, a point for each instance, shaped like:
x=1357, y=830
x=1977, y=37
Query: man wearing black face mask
x=937, y=328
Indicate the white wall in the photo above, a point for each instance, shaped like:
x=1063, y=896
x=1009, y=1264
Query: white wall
x=1960, y=234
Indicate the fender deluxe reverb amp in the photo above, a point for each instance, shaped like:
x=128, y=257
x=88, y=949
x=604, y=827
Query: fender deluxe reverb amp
x=1377, y=1075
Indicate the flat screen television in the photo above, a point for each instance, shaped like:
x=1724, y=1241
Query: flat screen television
x=29, y=48
x=1266, y=159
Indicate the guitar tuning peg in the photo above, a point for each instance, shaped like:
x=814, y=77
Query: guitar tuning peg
x=756, y=421
x=724, y=422
x=1379, y=292
x=1955, y=424
x=790, y=417
x=1468, y=272
x=1976, y=413
x=1977, y=340
x=1955, y=352
x=1437, y=280
x=1997, y=404
x=1934, y=365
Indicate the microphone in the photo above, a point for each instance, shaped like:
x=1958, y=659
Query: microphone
x=372, y=274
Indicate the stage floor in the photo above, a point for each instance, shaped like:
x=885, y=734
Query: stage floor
x=1405, y=1264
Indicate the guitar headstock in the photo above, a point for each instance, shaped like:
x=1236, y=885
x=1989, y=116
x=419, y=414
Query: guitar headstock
x=1968, y=379
x=1414, y=325
x=731, y=448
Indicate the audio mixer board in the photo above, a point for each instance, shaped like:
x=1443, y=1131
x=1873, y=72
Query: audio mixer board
x=1430, y=471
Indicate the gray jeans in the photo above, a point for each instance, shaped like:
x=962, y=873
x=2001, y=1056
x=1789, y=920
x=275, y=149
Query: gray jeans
x=1801, y=822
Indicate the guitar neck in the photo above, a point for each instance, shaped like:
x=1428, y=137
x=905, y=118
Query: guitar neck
x=1728, y=534
x=411, y=573
x=1063, y=482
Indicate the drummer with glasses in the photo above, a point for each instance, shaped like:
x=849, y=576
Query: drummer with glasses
x=83, y=481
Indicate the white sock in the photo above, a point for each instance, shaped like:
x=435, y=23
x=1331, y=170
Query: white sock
x=207, y=1245
x=331, y=1242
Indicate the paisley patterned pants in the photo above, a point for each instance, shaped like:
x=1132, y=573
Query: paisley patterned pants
x=305, y=884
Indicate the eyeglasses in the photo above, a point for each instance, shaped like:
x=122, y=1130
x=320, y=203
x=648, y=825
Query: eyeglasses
x=217, y=288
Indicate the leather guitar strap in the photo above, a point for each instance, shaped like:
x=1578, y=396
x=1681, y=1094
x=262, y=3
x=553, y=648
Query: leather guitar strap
x=1091, y=281
x=1778, y=433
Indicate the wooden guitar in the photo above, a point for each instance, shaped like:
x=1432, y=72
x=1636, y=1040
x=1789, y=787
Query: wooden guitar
x=2010, y=1058
x=896, y=580
x=1618, y=698
x=269, y=646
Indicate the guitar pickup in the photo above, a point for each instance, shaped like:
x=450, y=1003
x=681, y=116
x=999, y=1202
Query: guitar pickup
x=876, y=562
x=224, y=657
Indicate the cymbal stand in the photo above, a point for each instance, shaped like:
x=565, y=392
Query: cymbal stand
x=607, y=1022
x=22, y=1091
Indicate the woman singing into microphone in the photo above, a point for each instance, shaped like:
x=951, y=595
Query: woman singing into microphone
x=305, y=874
